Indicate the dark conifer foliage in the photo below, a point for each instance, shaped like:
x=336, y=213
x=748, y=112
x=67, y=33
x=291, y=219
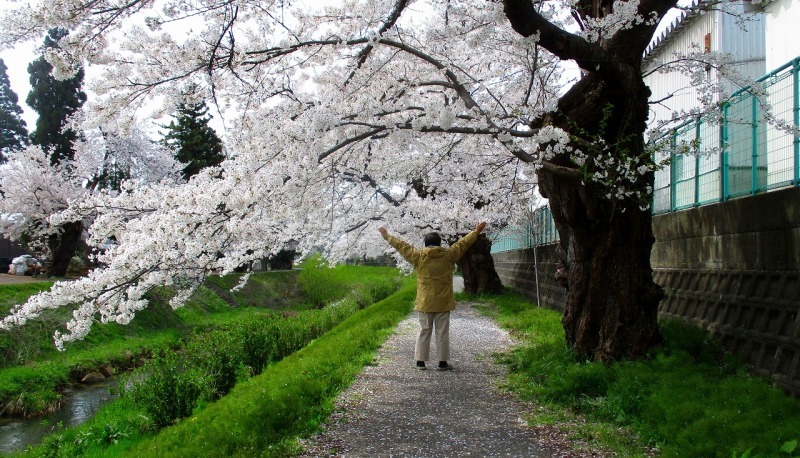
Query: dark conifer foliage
x=191, y=138
x=13, y=134
x=55, y=101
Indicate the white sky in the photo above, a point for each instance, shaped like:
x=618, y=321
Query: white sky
x=17, y=61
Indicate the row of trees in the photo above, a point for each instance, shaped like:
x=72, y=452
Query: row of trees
x=63, y=162
x=414, y=115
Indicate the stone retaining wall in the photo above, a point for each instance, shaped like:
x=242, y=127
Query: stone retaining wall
x=732, y=268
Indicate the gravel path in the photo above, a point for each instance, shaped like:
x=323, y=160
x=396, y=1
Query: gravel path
x=393, y=410
x=6, y=279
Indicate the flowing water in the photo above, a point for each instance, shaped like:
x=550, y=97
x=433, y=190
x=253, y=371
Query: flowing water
x=79, y=405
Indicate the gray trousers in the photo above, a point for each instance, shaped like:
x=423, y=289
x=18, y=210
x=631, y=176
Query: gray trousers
x=440, y=322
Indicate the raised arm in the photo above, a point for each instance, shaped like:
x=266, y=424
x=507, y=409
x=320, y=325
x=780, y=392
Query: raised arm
x=458, y=248
x=405, y=249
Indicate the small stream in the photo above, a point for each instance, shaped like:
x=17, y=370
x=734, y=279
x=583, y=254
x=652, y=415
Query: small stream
x=80, y=404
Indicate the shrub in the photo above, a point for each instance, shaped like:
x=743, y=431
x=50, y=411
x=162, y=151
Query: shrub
x=260, y=416
x=164, y=390
x=318, y=282
x=259, y=338
x=218, y=355
x=171, y=387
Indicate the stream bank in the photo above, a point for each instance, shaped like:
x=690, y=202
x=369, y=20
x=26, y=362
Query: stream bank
x=80, y=404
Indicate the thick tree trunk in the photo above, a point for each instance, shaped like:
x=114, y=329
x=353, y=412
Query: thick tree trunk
x=477, y=268
x=611, y=306
x=606, y=236
x=62, y=248
x=610, y=312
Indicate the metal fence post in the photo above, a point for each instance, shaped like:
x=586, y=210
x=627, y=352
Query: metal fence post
x=796, y=109
x=673, y=178
x=723, y=162
x=754, y=145
x=536, y=275
x=697, y=164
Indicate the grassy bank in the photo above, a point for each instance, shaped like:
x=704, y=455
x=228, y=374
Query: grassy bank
x=688, y=399
x=33, y=372
x=224, y=342
x=262, y=415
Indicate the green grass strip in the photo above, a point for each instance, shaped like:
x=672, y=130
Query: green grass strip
x=687, y=399
x=290, y=397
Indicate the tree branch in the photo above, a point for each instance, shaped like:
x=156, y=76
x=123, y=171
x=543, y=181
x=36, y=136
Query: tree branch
x=561, y=171
x=365, y=178
x=611, y=61
x=348, y=141
x=388, y=24
x=526, y=21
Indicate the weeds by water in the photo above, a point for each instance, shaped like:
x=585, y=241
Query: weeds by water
x=213, y=365
x=688, y=398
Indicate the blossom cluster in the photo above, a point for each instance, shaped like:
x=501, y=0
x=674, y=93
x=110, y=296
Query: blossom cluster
x=623, y=16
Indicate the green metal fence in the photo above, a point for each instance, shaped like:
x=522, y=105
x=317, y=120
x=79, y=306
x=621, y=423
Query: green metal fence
x=746, y=153
x=538, y=229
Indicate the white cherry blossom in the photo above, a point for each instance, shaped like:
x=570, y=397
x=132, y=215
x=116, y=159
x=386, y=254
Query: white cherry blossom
x=340, y=118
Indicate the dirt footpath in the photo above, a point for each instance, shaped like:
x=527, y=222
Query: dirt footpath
x=6, y=279
x=393, y=410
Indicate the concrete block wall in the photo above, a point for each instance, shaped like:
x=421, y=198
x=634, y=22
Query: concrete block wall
x=518, y=270
x=732, y=268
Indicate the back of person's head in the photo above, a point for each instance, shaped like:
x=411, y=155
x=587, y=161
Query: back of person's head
x=432, y=239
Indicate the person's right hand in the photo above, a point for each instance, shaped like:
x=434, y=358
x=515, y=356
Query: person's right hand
x=480, y=226
x=383, y=231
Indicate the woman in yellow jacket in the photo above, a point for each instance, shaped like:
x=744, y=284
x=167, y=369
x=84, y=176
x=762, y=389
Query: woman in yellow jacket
x=434, y=266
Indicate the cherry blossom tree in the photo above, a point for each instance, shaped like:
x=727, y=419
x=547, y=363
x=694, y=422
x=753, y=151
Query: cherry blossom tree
x=415, y=115
x=34, y=190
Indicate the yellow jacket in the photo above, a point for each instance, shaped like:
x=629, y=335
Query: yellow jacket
x=434, y=266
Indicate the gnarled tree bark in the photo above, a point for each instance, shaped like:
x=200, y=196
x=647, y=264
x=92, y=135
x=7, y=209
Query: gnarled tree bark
x=612, y=301
x=62, y=247
x=477, y=268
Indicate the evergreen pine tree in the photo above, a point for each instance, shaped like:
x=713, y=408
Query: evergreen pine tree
x=55, y=101
x=13, y=134
x=191, y=138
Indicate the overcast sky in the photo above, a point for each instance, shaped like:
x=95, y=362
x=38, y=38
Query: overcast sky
x=17, y=61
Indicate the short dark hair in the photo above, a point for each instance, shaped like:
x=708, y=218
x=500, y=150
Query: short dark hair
x=432, y=239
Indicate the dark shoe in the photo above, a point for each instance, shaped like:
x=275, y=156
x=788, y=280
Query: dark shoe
x=421, y=365
x=443, y=366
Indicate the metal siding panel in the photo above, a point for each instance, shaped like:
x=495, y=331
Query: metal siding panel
x=726, y=36
x=744, y=45
x=747, y=48
x=783, y=33
x=676, y=83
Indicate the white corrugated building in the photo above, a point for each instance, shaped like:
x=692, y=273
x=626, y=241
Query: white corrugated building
x=782, y=19
x=756, y=155
x=782, y=23
x=705, y=32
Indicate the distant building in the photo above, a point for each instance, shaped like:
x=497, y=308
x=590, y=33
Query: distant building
x=706, y=32
x=782, y=31
x=745, y=153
